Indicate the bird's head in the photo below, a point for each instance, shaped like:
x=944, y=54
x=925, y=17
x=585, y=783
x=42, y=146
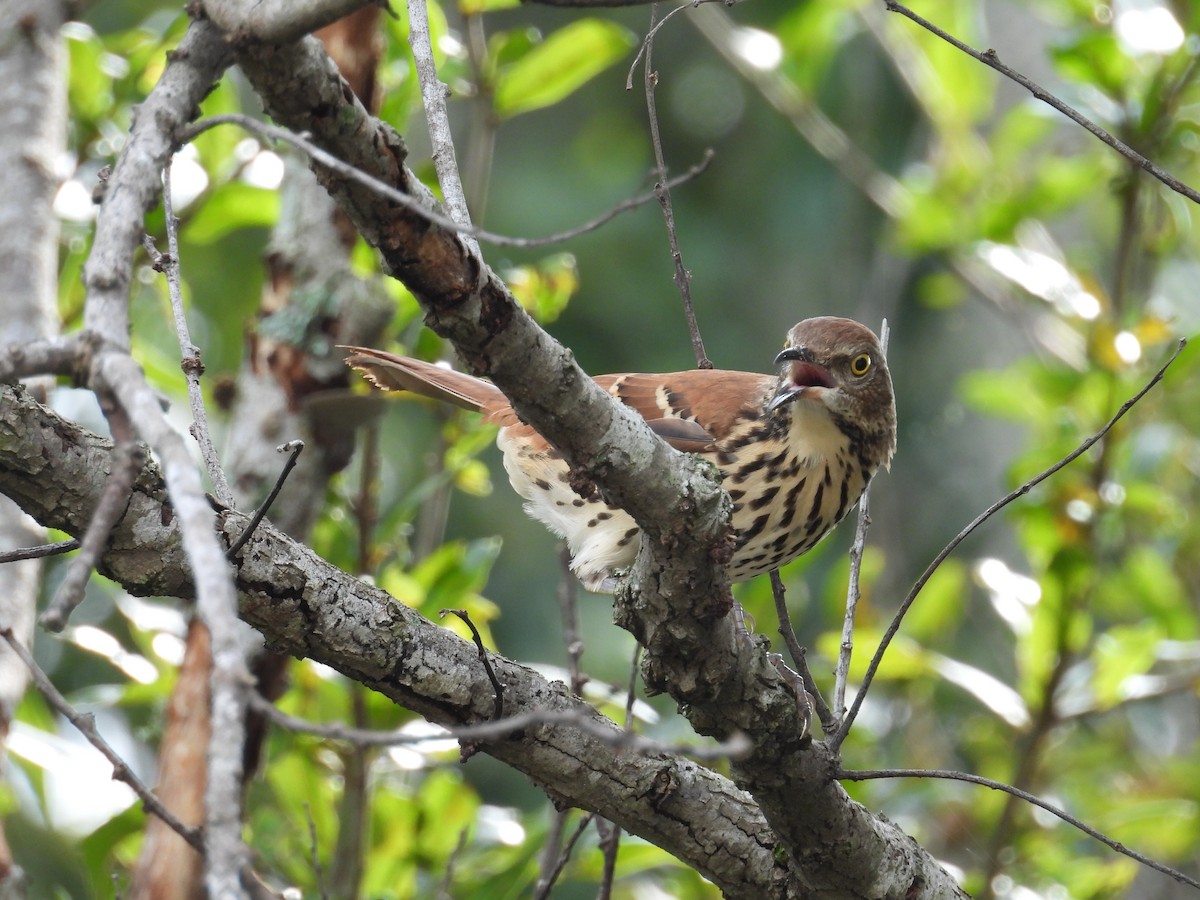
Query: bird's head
x=838, y=364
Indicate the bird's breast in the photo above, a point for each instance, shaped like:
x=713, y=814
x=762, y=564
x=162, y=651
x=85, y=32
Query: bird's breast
x=790, y=486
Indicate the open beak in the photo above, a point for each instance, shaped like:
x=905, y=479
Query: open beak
x=800, y=374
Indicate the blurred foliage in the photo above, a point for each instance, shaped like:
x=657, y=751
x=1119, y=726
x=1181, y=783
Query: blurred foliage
x=1033, y=278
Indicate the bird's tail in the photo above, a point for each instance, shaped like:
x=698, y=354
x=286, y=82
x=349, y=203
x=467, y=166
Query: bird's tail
x=390, y=372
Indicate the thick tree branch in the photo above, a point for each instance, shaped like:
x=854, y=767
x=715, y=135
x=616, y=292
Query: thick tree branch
x=308, y=608
x=134, y=185
x=676, y=598
x=279, y=21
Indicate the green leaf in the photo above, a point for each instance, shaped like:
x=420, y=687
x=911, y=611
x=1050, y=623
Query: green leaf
x=232, y=207
x=545, y=288
x=1097, y=60
x=1123, y=652
x=564, y=62
x=940, y=604
x=475, y=7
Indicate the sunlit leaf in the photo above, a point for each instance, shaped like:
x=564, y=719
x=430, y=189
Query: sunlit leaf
x=233, y=207
x=564, y=62
x=475, y=7
x=545, y=288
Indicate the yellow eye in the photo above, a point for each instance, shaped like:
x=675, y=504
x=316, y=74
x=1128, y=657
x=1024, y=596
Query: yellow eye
x=861, y=364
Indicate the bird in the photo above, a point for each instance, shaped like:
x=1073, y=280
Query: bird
x=795, y=450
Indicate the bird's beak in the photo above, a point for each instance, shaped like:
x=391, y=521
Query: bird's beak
x=800, y=374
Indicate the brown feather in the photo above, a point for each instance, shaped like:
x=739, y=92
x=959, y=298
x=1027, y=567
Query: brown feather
x=689, y=410
x=716, y=400
x=390, y=372
x=795, y=450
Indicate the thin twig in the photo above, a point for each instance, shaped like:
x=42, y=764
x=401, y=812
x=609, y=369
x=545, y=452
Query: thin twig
x=568, y=601
x=546, y=882
x=799, y=655
x=610, y=843
x=644, y=49
x=293, y=450
x=433, y=101
x=894, y=627
x=366, y=510
x=610, y=837
x=497, y=684
x=349, y=172
x=191, y=364
x=39, y=552
x=584, y=721
x=991, y=59
x=447, y=881
x=128, y=457
x=867, y=775
x=853, y=592
x=683, y=278
x=85, y=724
x=314, y=850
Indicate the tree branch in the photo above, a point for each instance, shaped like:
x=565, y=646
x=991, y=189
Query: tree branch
x=676, y=598
x=279, y=21
x=990, y=58
x=308, y=608
x=1008, y=498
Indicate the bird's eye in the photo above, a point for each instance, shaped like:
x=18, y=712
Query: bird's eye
x=861, y=364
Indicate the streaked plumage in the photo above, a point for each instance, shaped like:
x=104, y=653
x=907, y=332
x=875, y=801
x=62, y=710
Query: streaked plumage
x=795, y=450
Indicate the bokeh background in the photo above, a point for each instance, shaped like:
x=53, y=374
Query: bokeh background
x=1032, y=280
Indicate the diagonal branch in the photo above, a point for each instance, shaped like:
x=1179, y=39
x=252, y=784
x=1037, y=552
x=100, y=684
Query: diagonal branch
x=676, y=598
x=990, y=58
x=85, y=723
x=1008, y=498
x=969, y=778
x=308, y=608
x=111, y=372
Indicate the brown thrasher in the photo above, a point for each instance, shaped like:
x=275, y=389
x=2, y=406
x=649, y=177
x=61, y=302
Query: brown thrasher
x=795, y=451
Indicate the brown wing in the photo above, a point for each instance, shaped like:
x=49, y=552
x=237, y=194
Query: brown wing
x=689, y=410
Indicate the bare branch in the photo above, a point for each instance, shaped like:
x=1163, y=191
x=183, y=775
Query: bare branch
x=386, y=191
x=683, y=278
x=799, y=655
x=497, y=684
x=127, y=460
x=85, y=724
x=191, y=364
x=1008, y=498
x=49, y=356
x=279, y=21
x=853, y=593
x=867, y=775
x=39, y=552
x=990, y=58
x=494, y=729
x=568, y=601
x=433, y=101
x=135, y=183
x=293, y=450
x=555, y=866
x=216, y=603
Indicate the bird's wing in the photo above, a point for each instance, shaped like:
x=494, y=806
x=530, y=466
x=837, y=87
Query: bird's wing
x=691, y=410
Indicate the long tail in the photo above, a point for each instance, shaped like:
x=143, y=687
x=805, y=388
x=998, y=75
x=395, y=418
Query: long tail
x=390, y=372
